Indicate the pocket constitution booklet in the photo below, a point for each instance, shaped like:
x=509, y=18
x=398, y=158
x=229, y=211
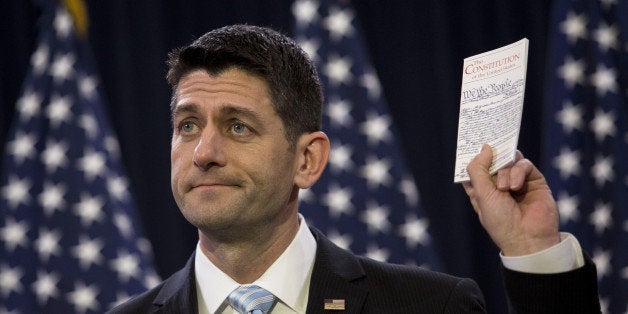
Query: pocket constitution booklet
x=491, y=105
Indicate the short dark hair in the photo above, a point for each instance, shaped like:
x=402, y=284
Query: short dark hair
x=294, y=86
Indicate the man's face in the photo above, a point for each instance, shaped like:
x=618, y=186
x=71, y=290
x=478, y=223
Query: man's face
x=232, y=166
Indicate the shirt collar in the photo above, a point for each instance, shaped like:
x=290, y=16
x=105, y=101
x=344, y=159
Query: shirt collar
x=282, y=278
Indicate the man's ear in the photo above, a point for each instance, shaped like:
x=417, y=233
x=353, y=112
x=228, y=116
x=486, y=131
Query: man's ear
x=313, y=153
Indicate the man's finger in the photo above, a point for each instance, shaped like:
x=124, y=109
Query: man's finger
x=519, y=173
x=503, y=179
x=478, y=170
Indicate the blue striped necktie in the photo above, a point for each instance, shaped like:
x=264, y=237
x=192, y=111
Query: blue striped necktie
x=251, y=300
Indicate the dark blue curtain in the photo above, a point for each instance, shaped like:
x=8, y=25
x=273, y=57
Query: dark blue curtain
x=417, y=48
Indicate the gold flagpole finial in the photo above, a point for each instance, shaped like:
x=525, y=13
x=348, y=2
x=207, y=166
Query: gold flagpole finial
x=78, y=11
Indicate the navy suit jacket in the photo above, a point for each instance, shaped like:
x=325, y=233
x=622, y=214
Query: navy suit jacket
x=368, y=286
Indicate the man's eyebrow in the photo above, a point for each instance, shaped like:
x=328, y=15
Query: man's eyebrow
x=231, y=110
x=185, y=108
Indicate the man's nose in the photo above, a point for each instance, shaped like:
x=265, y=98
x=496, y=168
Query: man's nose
x=209, y=150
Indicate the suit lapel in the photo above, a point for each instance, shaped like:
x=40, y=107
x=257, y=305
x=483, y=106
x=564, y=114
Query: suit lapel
x=336, y=275
x=179, y=292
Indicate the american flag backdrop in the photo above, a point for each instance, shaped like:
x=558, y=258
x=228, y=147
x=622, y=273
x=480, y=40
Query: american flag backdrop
x=69, y=240
x=366, y=200
x=586, y=135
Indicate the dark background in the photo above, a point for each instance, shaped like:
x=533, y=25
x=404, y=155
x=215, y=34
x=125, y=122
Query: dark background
x=417, y=48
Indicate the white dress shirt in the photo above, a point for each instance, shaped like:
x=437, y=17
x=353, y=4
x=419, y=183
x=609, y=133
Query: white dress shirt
x=286, y=278
x=562, y=257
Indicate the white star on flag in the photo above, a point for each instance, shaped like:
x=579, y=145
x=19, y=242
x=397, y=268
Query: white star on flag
x=338, y=70
x=127, y=265
x=570, y=117
x=84, y=297
x=59, y=110
x=376, y=128
x=28, y=105
x=88, y=251
x=603, y=125
x=87, y=86
x=45, y=287
x=39, y=60
x=54, y=155
x=602, y=170
x=63, y=24
x=568, y=162
x=338, y=23
x=52, y=198
x=605, y=80
x=47, y=244
x=371, y=83
x=339, y=201
x=123, y=224
x=340, y=158
x=376, y=172
x=88, y=123
x=305, y=12
x=89, y=209
x=339, y=112
x=575, y=27
x=572, y=72
x=14, y=234
x=10, y=279
x=568, y=207
x=606, y=36
x=376, y=218
x=22, y=147
x=415, y=231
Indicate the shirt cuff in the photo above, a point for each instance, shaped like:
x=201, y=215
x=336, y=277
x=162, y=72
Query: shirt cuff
x=562, y=257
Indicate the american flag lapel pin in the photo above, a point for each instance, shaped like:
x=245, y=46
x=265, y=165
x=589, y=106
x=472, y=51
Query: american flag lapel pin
x=335, y=304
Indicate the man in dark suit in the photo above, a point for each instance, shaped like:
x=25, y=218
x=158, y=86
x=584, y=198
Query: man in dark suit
x=246, y=112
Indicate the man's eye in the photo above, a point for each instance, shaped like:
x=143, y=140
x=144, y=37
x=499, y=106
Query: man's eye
x=238, y=128
x=187, y=127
